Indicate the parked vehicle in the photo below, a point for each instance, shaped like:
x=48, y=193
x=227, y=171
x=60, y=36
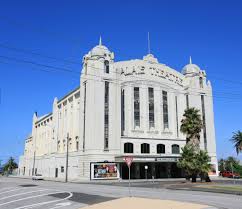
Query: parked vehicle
x=37, y=177
x=229, y=174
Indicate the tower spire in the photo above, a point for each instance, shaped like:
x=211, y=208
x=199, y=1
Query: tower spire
x=148, y=42
x=190, y=60
x=100, y=41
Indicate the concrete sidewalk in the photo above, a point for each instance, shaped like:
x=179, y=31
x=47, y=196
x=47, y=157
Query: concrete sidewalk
x=145, y=203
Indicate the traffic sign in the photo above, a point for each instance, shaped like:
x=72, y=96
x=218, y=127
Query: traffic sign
x=128, y=161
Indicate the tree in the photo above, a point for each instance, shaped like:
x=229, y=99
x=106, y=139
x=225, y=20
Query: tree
x=194, y=162
x=203, y=165
x=225, y=165
x=187, y=161
x=237, y=141
x=10, y=165
x=191, y=126
x=222, y=165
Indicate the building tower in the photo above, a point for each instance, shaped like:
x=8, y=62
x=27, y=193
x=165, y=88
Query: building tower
x=99, y=105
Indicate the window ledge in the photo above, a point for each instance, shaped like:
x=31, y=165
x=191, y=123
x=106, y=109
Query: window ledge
x=137, y=131
x=153, y=132
x=166, y=131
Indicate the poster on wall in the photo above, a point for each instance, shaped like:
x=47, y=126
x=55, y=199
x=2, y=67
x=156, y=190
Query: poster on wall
x=104, y=171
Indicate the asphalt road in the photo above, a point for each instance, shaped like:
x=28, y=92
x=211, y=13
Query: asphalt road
x=16, y=193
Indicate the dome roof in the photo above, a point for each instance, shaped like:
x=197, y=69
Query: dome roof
x=190, y=68
x=100, y=50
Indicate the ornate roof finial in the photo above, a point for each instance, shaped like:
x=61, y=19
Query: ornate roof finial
x=148, y=42
x=100, y=41
x=190, y=60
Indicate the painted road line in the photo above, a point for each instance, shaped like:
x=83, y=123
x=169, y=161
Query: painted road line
x=60, y=205
x=23, y=194
x=47, y=202
x=11, y=190
x=6, y=188
x=25, y=198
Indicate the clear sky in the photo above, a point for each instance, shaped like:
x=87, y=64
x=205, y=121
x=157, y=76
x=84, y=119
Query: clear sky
x=209, y=31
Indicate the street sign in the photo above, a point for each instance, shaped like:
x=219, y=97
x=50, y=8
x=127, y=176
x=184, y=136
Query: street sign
x=128, y=161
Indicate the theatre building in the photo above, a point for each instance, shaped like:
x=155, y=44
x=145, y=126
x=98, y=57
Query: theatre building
x=124, y=108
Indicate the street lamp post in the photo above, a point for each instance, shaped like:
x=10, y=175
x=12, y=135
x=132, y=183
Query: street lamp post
x=146, y=169
x=67, y=155
x=232, y=171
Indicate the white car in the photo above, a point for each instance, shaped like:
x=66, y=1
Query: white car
x=37, y=177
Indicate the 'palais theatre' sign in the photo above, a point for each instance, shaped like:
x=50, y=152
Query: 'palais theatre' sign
x=156, y=71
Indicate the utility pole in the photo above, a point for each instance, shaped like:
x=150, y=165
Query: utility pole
x=67, y=153
x=232, y=170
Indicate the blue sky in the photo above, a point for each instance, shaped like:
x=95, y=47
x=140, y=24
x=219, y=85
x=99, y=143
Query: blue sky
x=210, y=31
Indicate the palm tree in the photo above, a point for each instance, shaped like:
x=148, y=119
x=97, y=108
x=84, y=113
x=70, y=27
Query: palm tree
x=203, y=165
x=188, y=162
x=237, y=141
x=191, y=126
x=194, y=162
x=10, y=165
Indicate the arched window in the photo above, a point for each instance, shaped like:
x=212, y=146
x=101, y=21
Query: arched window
x=128, y=148
x=145, y=148
x=175, y=149
x=106, y=66
x=160, y=148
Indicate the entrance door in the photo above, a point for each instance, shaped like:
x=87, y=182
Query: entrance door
x=160, y=170
x=145, y=173
x=175, y=171
x=125, y=171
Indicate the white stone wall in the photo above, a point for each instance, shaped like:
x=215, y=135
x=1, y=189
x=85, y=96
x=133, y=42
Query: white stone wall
x=48, y=141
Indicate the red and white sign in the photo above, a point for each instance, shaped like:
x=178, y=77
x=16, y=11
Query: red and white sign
x=128, y=161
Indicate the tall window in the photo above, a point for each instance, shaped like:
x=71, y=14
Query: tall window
x=122, y=113
x=151, y=108
x=84, y=114
x=106, y=114
x=136, y=107
x=77, y=143
x=145, y=148
x=177, y=125
x=204, y=122
x=160, y=148
x=187, y=101
x=165, y=109
x=201, y=82
x=128, y=148
x=175, y=149
x=106, y=66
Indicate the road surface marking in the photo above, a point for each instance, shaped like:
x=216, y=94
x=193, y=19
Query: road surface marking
x=23, y=193
x=11, y=190
x=60, y=205
x=47, y=202
x=25, y=198
x=6, y=188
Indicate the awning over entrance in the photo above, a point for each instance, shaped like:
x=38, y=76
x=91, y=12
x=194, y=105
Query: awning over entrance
x=138, y=158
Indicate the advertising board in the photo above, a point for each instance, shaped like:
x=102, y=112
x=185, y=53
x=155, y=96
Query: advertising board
x=104, y=171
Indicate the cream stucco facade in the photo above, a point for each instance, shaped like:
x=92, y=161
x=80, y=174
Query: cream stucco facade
x=140, y=102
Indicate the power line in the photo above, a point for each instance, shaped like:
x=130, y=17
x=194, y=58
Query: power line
x=14, y=22
x=78, y=63
x=39, y=64
x=70, y=71
x=37, y=54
